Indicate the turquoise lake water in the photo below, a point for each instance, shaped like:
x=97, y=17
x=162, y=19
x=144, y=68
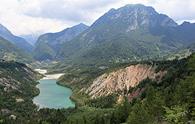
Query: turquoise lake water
x=53, y=95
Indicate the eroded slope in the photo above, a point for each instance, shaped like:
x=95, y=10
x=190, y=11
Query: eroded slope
x=123, y=79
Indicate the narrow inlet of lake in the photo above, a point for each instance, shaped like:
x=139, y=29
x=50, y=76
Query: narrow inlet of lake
x=53, y=95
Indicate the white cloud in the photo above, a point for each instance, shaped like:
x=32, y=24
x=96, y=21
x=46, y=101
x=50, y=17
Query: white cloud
x=21, y=25
x=24, y=16
x=12, y=16
x=177, y=9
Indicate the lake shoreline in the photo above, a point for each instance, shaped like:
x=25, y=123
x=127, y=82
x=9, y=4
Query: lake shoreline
x=51, y=77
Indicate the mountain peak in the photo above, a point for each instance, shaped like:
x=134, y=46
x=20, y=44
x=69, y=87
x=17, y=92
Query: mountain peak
x=185, y=23
x=18, y=41
x=132, y=6
x=135, y=16
x=53, y=41
x=139, y=8
x=135, y=5
x=78, y=27
x=82, y=24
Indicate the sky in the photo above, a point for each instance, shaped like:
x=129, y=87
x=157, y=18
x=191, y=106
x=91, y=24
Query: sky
x=24, y=17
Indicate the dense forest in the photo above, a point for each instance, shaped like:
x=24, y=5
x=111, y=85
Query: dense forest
x=169, y=101
x=172, y=100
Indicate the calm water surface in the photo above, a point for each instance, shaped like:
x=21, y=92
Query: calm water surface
x=53, y=95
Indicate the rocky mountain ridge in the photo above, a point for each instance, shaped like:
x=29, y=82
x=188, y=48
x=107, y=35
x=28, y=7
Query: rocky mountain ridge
x=9, y=51
x=133, y=32
x=14, y=74
x=48, y=45
x=17, y=41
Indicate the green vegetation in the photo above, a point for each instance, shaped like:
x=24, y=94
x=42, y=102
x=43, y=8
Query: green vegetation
x=48, y=45
x=18, y=42
x=168, y=101
x=175, y=114
x=125, y=38
x=17, y=88
x=171, y=100
x=109, y=44
x=44, y=53
x=9, y=51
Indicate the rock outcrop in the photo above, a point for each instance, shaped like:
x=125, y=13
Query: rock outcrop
x=123, y=79
x=14, y=76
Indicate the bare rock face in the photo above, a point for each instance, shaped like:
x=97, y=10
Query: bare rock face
x=13, y=76
x=122, y=79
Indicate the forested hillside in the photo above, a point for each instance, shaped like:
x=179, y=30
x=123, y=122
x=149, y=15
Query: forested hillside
x=131, y=33
x=171, y=100
x=17, y=88
x=17, y=41
x=9, y=51
x=49, y=44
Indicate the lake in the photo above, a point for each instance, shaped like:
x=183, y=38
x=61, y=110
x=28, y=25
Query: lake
x=53, y=95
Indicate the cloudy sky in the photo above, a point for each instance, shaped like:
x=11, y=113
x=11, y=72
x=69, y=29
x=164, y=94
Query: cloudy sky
x=24, y=17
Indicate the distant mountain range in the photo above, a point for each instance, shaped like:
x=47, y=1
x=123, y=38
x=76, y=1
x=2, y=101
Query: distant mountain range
x=31, y=38
x=131, y=33
x=48, y=45
x=9, y=51
x=18, y=41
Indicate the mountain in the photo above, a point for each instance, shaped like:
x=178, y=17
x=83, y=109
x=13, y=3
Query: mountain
x=183, y=34
x=18, y=41
x=9, y=51
x=31, y=38
x=10, y=71
x=17, y=89
x=165, y=89
x=47, y=45
x=133, y=32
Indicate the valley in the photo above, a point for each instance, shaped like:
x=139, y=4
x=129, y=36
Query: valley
x=132, y=65
x=52, y=95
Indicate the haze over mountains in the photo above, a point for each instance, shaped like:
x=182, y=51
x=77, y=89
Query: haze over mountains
x=31, y=38
x=48, y=45
x=18, y=41
x=13, y=47
x=9, y=51
x=130, y=33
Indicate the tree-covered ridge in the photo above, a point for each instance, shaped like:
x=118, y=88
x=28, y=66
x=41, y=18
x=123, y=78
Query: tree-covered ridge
x=172, y=100
x=48, y=45
x=9, y=51
x=168, y=101
x=17, y=41
x=17, y=88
